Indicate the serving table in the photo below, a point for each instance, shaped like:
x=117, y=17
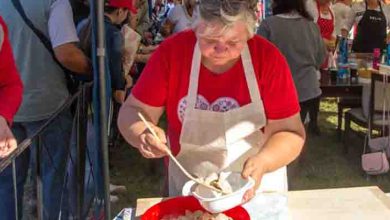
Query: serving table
x=356, y=203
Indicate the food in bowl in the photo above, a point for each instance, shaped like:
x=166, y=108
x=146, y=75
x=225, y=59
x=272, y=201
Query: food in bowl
x=197, y=215
x=218, y=181
x=215, y=202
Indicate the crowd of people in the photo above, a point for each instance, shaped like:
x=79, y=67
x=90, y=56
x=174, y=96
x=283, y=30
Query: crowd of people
x=236, y=89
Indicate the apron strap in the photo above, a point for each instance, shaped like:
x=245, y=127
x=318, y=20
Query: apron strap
x=250, y=75
x=194, y=77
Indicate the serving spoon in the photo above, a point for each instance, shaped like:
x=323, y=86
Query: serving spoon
x=173, y=158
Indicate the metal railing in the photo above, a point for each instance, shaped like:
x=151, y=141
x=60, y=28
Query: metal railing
x=81, y=98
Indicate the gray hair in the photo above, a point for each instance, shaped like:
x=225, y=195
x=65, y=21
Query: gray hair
x=227, y=12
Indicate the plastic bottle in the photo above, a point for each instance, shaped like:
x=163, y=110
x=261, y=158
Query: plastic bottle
x=342, y=59
x=384, y=57
x=376, y=58
x=388, y=55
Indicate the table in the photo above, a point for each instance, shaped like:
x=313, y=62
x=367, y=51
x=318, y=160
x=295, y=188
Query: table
x=343, y=203
x=339, y=88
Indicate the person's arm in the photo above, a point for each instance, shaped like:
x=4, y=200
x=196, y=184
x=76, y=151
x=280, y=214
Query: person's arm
x=73, y=58
x=11, y=87
x=136, y=133
x=10, y=94
x=348, y=22
x=7, y=141
x=63, y=36
x=285, y=139
x=148, y=96
x=312, y=9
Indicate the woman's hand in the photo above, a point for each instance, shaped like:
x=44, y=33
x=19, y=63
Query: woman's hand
x=7, y=141
x=150, y=147
x=254, y=167
x=119, y=96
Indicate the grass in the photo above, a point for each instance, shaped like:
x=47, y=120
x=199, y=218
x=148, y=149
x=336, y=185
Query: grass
x=323, y=165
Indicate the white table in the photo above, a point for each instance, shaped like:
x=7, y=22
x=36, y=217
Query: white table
x=328, y=204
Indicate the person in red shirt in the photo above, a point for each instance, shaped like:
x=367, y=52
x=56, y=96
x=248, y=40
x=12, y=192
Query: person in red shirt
x=229, y=97
x=10, y=93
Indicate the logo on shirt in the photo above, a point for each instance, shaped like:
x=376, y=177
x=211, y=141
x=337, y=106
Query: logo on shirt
x=222, y=104
x=375, y=18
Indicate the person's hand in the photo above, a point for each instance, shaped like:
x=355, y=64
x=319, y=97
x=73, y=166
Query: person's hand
x=148, y=36
x=7, y=141
x=254, y=167
x=129, y=81
x=150, y=147
x=119, y=96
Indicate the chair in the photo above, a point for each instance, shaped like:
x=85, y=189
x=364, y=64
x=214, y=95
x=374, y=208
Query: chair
x=342, y=104
x=375, y=109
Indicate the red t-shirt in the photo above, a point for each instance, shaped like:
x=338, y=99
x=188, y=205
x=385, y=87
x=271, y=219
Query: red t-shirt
x=165, y=79
x=10, y=83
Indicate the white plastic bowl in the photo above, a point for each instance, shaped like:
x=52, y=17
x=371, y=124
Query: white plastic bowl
x=221, y=203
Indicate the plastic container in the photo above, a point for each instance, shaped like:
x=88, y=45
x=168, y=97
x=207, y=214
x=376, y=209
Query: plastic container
x=221, y=203
x=388, y=54
x=179, y=205
x=342, y=59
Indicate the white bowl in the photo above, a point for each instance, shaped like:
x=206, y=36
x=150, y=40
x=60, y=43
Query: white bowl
x=222, y=203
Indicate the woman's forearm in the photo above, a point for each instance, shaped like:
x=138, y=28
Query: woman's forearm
x=130, y=126
x=281, y=149
x=129, y=123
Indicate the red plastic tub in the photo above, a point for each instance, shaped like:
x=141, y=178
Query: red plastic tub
x=178, y=206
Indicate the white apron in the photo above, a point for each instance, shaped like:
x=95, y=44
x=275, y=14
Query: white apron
x=222, y=141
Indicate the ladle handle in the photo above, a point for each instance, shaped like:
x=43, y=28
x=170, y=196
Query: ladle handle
x=169, y=152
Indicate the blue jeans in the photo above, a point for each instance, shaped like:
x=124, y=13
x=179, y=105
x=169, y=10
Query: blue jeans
x=54, y=153
x=93, y=179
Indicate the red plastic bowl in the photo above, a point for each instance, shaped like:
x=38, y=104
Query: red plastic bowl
x=178, y=206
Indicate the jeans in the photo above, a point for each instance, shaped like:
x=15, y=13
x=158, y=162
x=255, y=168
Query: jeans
x=54, y=153
x=69, y=208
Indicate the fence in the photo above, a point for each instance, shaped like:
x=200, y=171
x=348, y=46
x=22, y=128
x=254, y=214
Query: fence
x=78, y=102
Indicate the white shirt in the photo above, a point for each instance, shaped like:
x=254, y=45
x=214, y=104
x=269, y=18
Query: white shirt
x=356, y=14
x=312, y=9
x=341, y=12
x=180, y=17
x=62, y=29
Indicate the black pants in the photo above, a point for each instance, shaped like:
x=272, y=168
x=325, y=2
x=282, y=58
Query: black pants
x=311, y=106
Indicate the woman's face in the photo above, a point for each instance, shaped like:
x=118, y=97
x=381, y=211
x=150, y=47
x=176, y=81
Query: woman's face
x=220, y=47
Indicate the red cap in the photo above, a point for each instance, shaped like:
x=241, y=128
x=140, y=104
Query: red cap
x=123, y=4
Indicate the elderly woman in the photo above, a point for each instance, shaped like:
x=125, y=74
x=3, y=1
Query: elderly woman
x=230, y=100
